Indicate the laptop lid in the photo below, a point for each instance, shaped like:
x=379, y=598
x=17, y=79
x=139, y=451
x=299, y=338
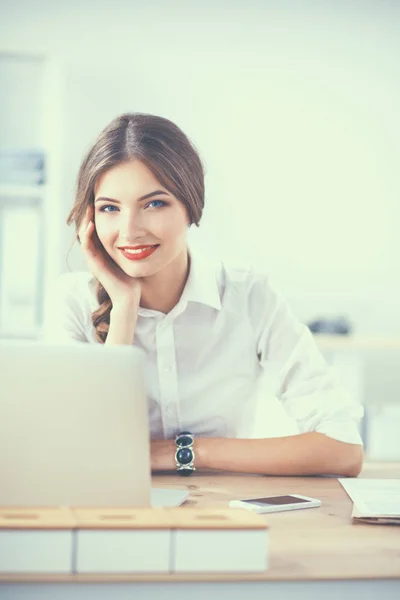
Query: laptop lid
x=73, y=425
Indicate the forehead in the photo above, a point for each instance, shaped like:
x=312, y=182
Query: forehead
x=127, y=180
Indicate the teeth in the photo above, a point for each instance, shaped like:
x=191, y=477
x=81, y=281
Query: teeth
x=131, y=251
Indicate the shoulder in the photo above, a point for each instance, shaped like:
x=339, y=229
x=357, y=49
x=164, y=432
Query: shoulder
x=69, y=304
x=251, y=292
x=245, y=280
x=77, y=288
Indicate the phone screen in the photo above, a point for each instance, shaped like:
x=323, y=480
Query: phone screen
x=277, y=500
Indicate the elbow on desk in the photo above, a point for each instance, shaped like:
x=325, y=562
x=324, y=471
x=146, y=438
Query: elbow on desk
x=338, y=458
x=352, y=461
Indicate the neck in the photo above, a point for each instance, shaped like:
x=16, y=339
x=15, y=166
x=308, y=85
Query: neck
x=163, y=290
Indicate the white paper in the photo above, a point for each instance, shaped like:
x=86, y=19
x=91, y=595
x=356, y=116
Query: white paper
x=374, y=497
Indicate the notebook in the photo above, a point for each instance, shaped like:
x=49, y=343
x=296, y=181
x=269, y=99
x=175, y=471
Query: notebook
x=375, y=501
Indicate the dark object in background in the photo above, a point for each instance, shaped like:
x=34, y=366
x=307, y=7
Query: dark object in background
x=22, y=166
x=338, y=326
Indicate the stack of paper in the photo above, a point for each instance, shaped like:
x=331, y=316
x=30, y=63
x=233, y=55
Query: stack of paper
x=156, y=540
x=375, y=500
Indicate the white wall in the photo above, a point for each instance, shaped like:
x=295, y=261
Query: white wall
x=293, y=106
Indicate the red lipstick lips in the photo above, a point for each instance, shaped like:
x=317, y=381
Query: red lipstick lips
x=138, y=252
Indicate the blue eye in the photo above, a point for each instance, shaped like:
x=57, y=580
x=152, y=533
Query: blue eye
x=158, y=203
x=103, y=208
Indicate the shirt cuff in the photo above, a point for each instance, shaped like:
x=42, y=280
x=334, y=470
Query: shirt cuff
x=343, y=431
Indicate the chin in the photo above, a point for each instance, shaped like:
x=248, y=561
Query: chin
x=139, y=268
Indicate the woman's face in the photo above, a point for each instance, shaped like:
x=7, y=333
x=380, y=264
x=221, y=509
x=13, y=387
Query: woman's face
x=140, y=224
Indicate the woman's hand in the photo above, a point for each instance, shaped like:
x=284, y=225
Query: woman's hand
x=121, y=288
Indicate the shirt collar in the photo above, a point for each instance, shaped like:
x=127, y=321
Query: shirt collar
x=202, y=283
x=201, y=286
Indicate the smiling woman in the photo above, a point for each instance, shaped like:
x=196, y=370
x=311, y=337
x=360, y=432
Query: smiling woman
x=157, y=227
x=139, y=188
x=208, y=330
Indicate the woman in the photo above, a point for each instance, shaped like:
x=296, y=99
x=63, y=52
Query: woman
x=208, y=331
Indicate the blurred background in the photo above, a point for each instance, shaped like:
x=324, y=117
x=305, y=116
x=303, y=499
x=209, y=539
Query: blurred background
x=294, y=108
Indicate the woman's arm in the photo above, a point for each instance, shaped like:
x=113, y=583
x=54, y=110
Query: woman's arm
x=297, y=372
x=123, y=318
x=304, y=454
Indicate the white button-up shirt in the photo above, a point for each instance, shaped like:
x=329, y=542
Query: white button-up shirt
x=204, y=359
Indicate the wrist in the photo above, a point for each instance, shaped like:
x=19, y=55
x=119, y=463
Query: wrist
x=123, y=318
x=200, y=448
x=184, y=453
x=126, y=307
x=125, y=314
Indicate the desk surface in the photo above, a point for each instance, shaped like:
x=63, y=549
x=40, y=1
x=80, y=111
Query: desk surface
x=313, y=544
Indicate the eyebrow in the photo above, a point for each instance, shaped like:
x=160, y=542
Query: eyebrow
x=146, y=197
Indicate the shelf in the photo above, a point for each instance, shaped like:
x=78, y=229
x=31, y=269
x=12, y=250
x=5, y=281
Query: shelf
x=10, y=190
x=327, y=342
x=19, y=335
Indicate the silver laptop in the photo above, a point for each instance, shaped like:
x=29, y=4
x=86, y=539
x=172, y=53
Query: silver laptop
x=74, y=427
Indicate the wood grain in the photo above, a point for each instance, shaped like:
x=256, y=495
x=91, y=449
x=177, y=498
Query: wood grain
x=36, y=519
x=121, y=518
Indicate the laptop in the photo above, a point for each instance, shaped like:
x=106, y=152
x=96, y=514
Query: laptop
x=74, y=427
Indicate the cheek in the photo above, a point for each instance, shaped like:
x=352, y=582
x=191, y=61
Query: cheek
x=105, y=230
x=176, y=228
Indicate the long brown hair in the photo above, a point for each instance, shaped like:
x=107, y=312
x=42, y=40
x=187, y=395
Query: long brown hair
x=167, y=153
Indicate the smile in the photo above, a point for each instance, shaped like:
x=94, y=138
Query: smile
x=138, y=253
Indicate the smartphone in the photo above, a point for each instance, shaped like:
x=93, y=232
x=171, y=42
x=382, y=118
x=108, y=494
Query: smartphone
x=276, y=503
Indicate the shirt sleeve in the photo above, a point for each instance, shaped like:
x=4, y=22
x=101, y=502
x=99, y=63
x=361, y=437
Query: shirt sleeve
x=65, y=314
x=299, y=374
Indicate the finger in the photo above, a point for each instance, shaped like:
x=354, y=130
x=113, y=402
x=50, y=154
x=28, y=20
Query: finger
x=88, y=216
x=82, y=232
x=82, y=228
x=88, y=234
x=90, y=212
x=86, y=237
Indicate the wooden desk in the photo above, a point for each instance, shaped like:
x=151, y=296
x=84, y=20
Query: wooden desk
x=312, y=552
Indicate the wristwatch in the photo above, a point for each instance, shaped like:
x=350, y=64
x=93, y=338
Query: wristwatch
x=184, y=455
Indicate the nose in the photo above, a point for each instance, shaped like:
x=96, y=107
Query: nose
x=131, y=226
